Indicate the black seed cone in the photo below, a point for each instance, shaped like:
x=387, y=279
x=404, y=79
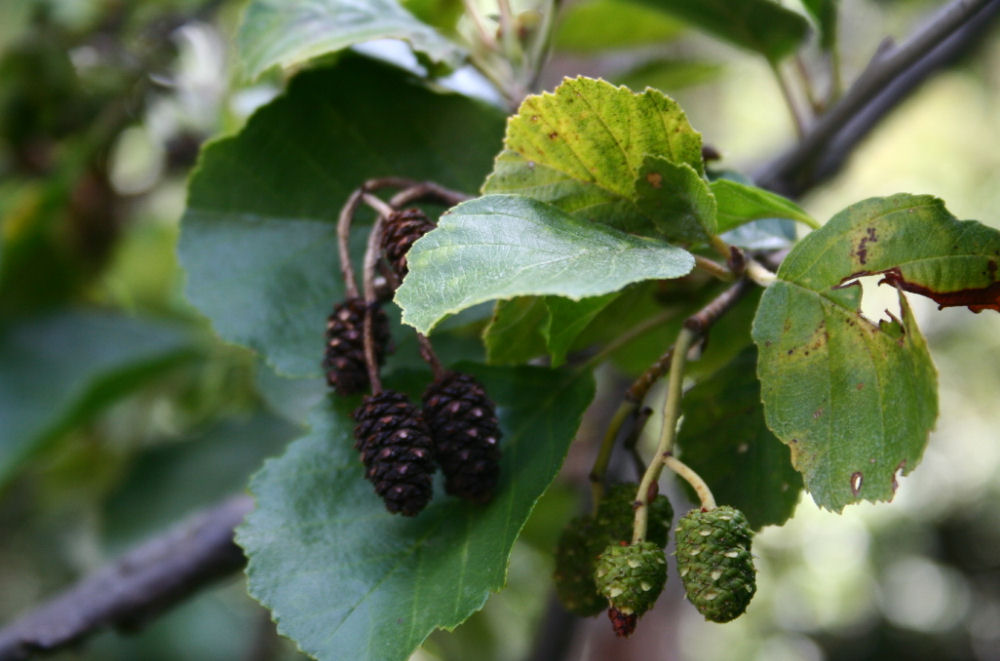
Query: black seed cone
x=466, y=434
x=395, y=447
x=344, y=361
x=399, y=231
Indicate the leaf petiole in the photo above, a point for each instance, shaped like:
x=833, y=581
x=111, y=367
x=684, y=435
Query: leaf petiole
x=668, y=432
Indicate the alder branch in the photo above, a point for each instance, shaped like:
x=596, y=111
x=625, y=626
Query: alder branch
x=893, y=73
x=136, y=587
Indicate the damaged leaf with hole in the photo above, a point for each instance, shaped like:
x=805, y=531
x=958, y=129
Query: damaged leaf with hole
x=855, y=400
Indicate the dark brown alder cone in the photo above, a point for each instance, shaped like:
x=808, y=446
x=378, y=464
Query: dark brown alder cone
x=395, y=447
x=344, y=361
x=399, y=231
x=466, y=435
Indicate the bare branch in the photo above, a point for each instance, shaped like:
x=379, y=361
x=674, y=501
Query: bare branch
x=891, y=76
x=137, y=587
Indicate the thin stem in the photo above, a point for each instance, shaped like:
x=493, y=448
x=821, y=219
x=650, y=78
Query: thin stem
x=343, y=242
x=719, y=245
x=485, y=38
x=427, y=189
x=713, y=268
x=625, y=409
x=431, y=358
x=371, y=260
x=807, y=87
x=760, y=274
x=539, y=51
x=671, y=410
x=836, y=77
x=699, y=322
x=786, y=94
x=381, y=208
x=508, y=32
x=692, y=478
x=631, y=441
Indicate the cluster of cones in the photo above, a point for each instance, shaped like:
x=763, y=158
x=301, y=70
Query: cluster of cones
x=401, y=444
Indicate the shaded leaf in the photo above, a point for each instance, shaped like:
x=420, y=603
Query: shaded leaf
x=567, y=319
x=741, y=203
x=581, y=147
x=725, y=439
x=319, y=530
x=587, y=27
x=258, y=239
x=514, y=334
x=676, y=199
x=60, y=369
x=758, y=25
x=502, y=246
x=855, y=401
x=278, y=32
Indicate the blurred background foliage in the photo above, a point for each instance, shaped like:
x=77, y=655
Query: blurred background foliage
x=120, y=412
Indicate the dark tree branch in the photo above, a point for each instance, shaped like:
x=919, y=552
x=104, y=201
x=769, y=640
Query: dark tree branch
x=137, y=587
x=888, y=80
x=166, y=569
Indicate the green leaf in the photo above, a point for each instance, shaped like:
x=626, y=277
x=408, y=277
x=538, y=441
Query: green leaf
x=442, y=14
x=758, y=25
x=258, y=239
x=855, y=401
x=347, y=580
x=514, y=334
x=287, y=34
x=502, y=246
x=917, y=245
x=567, y=319
x=581, y=147
x=596, y=25
x=742, y=203
x=724, y=438
x=825, y=14
x=669, y=74
x=60, y=369
x=676, y=199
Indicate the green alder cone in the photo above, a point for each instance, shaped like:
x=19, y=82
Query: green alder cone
x=574, y=572
x=631, y=576
x=714, y=562
x=585, y=537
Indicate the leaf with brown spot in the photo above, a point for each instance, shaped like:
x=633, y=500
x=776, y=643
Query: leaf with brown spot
x=918, y=246
x=581, y=148
x=855, y=400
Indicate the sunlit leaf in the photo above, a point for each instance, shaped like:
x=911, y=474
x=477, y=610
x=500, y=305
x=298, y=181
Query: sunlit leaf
x=286, y=34
x=581, y=147
x=502, y=246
